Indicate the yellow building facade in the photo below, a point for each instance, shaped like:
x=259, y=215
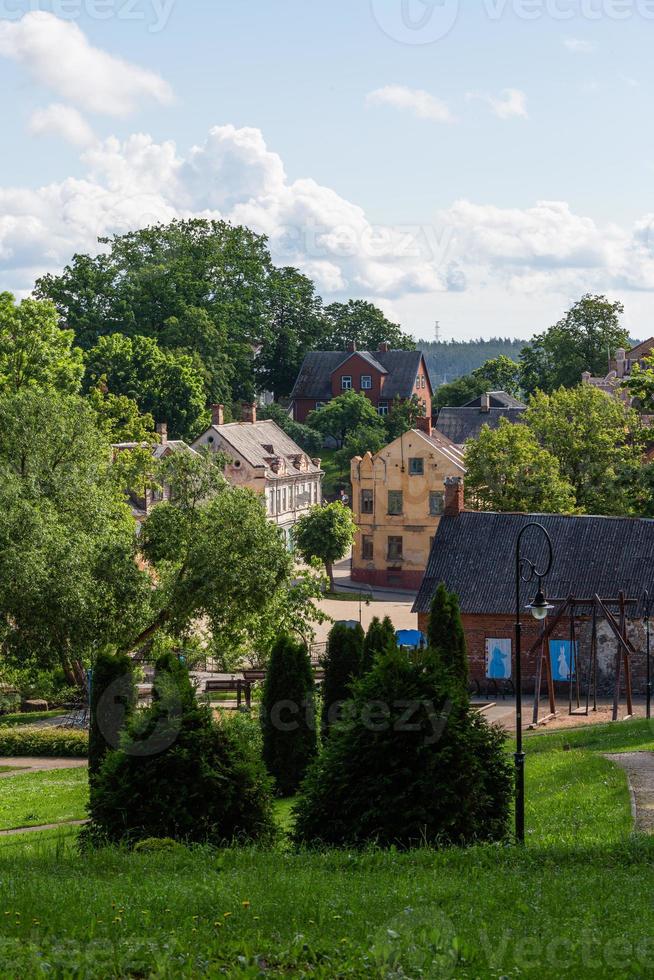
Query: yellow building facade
x=398, y=498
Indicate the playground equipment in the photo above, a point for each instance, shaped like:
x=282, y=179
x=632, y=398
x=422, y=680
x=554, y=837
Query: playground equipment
x=581, y=672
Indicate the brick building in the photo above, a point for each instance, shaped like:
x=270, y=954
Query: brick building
x=383, y=376
x=474, y=555
x=398, y=497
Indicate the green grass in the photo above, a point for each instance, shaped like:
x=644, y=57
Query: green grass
x=33, y=798
x=575, y=902
x=352, y=597
x=29, y=717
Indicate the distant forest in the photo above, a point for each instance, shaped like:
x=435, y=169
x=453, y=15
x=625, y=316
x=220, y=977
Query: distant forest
x=451, y=359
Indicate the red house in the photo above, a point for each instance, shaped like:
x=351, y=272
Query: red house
x=382, y=376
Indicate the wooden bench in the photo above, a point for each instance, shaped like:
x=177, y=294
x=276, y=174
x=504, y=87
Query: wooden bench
x=240, y=685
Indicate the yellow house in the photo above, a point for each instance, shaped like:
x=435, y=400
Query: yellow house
x=398, y=497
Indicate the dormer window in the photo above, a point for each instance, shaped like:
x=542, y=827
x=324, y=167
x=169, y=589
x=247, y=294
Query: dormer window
x=346, y=382
x=269, y=449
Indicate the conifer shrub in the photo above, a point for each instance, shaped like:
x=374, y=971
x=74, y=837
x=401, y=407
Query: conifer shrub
x=445, y=634
x=343, y=663
x=288, y=717
x=411, y=765
x=177, y=774
x=113, y=699
x=379, y=638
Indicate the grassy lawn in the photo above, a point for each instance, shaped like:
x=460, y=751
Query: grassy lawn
x=576, y=901
x=29, y=717
x=43, y=797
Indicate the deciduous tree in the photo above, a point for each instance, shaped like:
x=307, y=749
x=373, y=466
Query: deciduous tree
x=344, y=414
x=325, y=533
x=33, y=350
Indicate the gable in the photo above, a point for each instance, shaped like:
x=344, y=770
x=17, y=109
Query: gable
x=357, y=363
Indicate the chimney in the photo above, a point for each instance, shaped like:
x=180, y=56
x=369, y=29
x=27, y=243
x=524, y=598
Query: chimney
x=384, y=347
x=316, y=461
x=162, y=432
x=620, y=362
x=586, y=376
x=352, y=346
x=249, y=412
x=485, y=402
x=454, y=503
x=423, y=424
x=217, y=414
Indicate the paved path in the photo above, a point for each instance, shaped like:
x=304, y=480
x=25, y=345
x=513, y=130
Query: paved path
x=639, y=767
x=32, y=764
x=43, y=826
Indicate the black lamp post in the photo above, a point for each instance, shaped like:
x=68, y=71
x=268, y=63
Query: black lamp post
x=648, y=710
x=526, y=570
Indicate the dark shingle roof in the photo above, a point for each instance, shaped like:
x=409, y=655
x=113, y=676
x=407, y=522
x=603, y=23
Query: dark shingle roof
x=461, y=424
x=314, y=379
x=474, y=555
x=498, y=399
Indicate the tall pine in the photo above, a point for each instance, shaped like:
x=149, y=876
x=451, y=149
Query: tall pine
x=379, y=639
x=288, y=719
x=445, y=635
x=113, y=698
x=343, y=663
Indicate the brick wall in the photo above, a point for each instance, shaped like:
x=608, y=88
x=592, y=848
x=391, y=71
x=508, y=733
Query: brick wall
x=384, y=579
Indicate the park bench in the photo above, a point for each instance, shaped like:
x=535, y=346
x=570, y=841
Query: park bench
x=241, y=685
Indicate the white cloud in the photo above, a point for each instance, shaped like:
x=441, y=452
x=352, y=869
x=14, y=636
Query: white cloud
x=64, y=121
x=58, y=55
x=510, y=102
x=578, y=46
x=422, y=104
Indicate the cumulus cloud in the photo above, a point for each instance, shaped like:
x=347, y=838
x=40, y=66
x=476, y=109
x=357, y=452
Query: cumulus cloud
x=58, y=55
x=578, y=46
x=510, y=102
x=64, y=121
x=468, y=248
x=416, y=101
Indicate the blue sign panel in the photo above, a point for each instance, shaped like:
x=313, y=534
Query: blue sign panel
x=498, y=659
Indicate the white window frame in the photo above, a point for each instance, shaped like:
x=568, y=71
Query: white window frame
x=346, y=382
x=366, y=382
x=382, y=409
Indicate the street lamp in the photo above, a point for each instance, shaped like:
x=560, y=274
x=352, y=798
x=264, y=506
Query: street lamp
x=648, y=710
x=526, y=570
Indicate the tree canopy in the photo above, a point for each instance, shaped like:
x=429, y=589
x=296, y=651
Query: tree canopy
x=344, y=414
x=33, y=350
x=325, y=533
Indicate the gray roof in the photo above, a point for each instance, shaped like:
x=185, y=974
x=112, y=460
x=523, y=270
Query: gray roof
x=260, y=442
x=498, y=399
x=474, y=555
x=314, y=379
x=159, y=449
x=461, y=424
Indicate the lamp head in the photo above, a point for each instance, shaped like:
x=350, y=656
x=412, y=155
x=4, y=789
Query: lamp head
x=540, y=608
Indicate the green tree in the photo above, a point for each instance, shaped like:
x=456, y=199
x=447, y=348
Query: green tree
x=118, y=417
x=458, y=392
x=380, y=638
x=288, y=715
x=364, y=439
x=403, y=416
x=344, y=414
x=33, y=350
x=364, y=324
x=178, y=775
x=206, y=342
x=343, y=663
x=310, y=440
x=325, y=533
x=498, y=374
x=166, y=384
x=445, y=635
x=438, y=777
x=69, y=583
x=294, y=325
x=113, y=699
x=508, y=470
x=595, y=438
x=583, y=340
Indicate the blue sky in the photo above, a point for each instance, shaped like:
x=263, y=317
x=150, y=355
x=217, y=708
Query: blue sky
x=483, y=169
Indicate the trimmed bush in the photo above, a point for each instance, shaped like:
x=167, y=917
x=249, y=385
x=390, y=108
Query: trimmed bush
x=51, y=743
x=288, y=715
x=379, y=639
x=179, y=775
x=343, y=663
x=113, y=699
x=436, y=775
x=445, y=633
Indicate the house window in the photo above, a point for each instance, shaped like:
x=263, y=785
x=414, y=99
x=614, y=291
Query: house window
x=395, y=502
x=284, y=500
x=418, y=381
x=436, y=502
x=367, y=547
x=346, y=382
x=416, y=467
x=423, y=382
x=279, y=501
x=366, y=382
x=395, y=549
x=382, y=408
x=320, y=405
x=367, y=502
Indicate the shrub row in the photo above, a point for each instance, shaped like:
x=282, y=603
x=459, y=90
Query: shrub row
x=48, y=742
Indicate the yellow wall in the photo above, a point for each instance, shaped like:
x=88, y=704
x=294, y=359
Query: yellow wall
x=390, y=470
